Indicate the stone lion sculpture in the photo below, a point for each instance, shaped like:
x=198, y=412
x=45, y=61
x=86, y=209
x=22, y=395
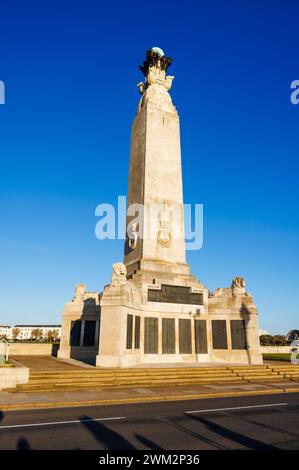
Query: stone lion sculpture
x=238, y=285
x=238, y=282
x=82, y=295
x=119, y=274
x=80, y=290
x=221, y=292
x=237, y=288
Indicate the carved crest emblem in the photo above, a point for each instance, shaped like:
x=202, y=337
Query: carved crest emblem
x=164, y=230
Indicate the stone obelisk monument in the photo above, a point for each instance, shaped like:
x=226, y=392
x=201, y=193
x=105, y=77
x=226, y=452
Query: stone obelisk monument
x=155, y=178
x=154, y=310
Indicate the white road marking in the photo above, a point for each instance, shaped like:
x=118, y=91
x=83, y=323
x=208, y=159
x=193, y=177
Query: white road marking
x=61, y=422
x=237, y=408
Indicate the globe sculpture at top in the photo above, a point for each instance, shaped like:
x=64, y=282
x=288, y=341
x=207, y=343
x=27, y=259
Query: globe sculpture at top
x=158, y=51
x=155, y=56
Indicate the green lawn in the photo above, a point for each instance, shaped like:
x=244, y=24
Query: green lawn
x=277, y=357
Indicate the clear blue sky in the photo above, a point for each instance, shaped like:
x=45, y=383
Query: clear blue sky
x=71, y=69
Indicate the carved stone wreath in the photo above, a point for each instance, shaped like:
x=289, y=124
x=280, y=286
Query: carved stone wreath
x=152, y=58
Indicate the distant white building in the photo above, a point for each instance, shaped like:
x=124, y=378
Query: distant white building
x=5, y=330
x=263, y=332
x=27, y=331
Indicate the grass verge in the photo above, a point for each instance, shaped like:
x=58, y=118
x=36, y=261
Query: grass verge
x=277, y=357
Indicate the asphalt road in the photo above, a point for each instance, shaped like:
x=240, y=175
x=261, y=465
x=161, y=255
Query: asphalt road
x=261, y=422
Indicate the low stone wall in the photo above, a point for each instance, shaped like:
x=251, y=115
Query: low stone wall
x=33, y=349
x=11, y=376
x=275, y=349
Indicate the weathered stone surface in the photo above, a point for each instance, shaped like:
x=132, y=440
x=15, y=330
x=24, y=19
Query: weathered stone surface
x=12, y=376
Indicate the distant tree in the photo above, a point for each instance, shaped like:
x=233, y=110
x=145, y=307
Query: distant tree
x=280, y=340
x=15, y=333
x=266, y=340
x=269, y=340
x=50, y=335
x=55, y=334
x=37, y=334
x=40, y=334
x=34, y=334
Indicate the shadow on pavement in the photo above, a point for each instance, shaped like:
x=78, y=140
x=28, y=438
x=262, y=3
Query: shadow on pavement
x=233, y=435
x=23, y=444
x=147, y=443
x=106, y=437
x=206, y=442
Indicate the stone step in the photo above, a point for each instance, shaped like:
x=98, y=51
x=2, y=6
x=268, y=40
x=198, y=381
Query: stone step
x=135, y=380
x=127, y=370
x=128, y=378
x=146, y=374
x=60, y=376
x=285, y=372
x=173, y=373
x=286, y=366
x=252, y=371
x=248, y=367
x=132, y=372
x=270, y=373
x=147, y=382
x=256, y=371
x=187, y=380
x=129, y=375
x=73, y=380
x=42, y=381
x=253, y=378
x=113, y=385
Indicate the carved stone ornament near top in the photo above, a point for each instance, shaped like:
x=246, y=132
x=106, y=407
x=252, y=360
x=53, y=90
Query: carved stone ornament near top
x=156, y=81
x=238, y=286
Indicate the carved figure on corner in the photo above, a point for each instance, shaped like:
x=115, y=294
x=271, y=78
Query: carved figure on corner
x=119, y=274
